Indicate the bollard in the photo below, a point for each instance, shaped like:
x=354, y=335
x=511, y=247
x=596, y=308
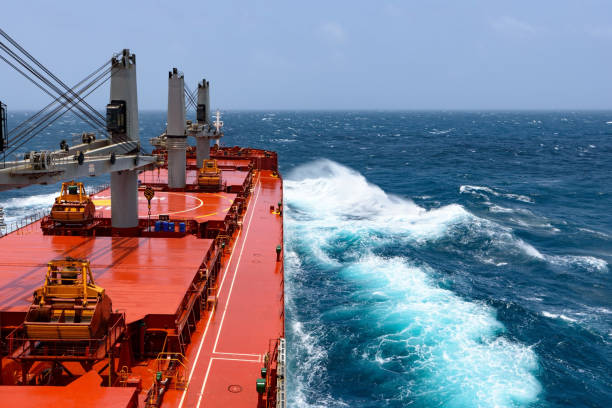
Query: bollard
x=278, y=253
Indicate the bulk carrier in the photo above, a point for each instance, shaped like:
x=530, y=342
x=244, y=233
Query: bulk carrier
x=162, y=289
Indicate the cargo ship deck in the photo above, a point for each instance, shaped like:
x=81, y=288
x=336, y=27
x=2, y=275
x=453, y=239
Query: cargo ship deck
x=212, y=293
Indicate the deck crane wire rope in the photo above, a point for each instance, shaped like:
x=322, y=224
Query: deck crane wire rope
x=89, y=112
x=37, y=127
x=33, y=117
x=68, y=104
x=66, y=87
x=190, y=97
x=69, y=99
x=79, y=114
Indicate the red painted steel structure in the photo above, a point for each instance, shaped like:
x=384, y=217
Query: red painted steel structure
x=206, y=304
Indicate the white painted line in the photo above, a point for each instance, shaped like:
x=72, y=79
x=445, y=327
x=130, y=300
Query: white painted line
x=208, y=372
x=229, y=262
x=234, y=359
x=204, y=383
x=237, y=239
x=229, y=295
x=238, y=354
x=195, y=362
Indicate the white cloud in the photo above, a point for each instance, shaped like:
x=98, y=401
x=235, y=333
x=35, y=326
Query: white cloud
x=513, y=26
x=332, y=33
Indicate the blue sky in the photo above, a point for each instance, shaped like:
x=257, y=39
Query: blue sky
x=313, y=54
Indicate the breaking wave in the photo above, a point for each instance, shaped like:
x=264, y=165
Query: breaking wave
x=354, y=289
x=18, y=207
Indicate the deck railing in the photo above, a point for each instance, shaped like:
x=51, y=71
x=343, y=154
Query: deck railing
x=36, y=215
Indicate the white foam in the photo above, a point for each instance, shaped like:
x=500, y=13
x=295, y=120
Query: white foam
x=458, y=346
x=15, y=209
x=500, y=209
x=35, y=201
x=558, y=316
x=457, y=343
x=479, y=190
x=327, y=194
x=590, y=263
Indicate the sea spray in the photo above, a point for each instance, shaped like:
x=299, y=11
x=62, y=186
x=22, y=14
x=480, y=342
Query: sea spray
x=360, y=315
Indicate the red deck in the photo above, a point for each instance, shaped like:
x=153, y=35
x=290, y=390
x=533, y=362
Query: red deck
x=231, y=346
x=151, y=276
x=229, y=177
x=191, y=205
x=71, y=396
x=141, y=275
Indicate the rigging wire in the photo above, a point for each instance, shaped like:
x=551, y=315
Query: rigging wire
x=69, y=99
x=55, y=100
x=24, y=132
x=49, y=84
x=41, y=66
x=41, y=125
x=191, y=102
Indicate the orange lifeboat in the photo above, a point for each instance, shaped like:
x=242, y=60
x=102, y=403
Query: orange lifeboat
x=73, y=206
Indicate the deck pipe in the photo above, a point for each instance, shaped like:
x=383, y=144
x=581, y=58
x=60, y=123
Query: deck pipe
x=176, y=141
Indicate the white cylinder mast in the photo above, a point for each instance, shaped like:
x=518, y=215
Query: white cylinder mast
x=124, y=184
x=203, y=118
x=123, y=88
x=176, y=142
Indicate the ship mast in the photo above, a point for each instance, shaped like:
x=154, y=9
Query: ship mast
x=116, y=150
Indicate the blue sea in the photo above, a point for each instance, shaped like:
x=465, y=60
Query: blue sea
x=433, y=259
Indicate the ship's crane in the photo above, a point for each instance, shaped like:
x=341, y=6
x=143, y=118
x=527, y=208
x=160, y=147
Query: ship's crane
x=202, y=130
x=118, y=151
x=3, y=132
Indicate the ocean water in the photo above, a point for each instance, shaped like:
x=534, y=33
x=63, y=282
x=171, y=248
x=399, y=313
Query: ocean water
x=434, y=259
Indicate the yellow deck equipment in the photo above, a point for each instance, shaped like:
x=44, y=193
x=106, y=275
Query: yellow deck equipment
x=209, y=177
x=73, y=206
x=69, y=305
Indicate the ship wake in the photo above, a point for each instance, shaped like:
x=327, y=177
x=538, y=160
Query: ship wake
x=372, y=323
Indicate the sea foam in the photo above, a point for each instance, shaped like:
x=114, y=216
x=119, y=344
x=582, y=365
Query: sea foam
x=444, y=350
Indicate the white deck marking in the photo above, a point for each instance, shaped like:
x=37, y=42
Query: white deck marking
x=229, y=262
x=208, y=372
x=238, y=354
x=229, y=294
x=212, y=312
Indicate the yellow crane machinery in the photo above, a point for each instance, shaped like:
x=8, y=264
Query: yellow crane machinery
x=209, y=177
x=73, y=206
x=69, y=305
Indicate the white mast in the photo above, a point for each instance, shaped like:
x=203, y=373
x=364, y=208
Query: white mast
x=176, y=142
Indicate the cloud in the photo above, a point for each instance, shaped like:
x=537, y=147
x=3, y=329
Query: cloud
x=332, y=33
x=513, y=26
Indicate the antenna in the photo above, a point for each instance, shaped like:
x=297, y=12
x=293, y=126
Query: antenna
x=218, y=123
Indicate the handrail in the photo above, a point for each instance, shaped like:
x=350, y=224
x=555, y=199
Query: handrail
x=41, y=213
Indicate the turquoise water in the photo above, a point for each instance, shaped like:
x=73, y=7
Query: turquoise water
x=435, y=259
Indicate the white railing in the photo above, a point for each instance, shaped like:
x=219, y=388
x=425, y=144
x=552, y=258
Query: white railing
x=36, y=215
x=23, y=222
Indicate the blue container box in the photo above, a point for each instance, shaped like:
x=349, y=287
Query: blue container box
x=182, y=227
x=171, y=227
